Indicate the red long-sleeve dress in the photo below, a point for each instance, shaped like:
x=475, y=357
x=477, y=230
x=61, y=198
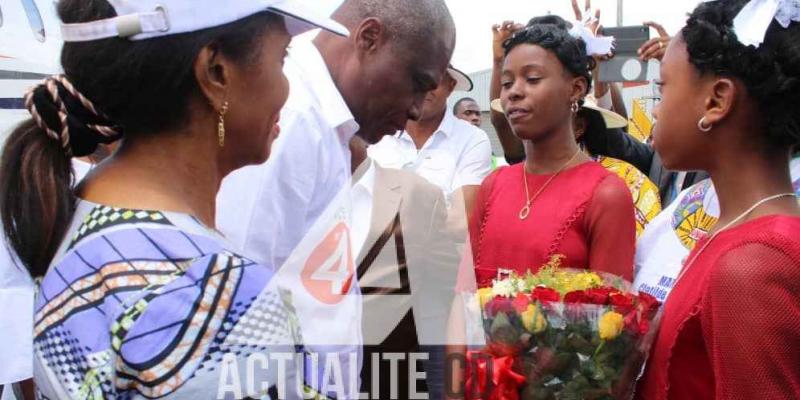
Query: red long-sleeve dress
x=586, y=214
x=731, y=326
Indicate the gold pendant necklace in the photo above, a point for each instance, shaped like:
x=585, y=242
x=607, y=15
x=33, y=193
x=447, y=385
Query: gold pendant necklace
x=526, y=209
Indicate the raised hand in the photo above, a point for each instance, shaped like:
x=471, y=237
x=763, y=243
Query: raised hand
x=501, y=33
x=593, y=24
x=655, y=47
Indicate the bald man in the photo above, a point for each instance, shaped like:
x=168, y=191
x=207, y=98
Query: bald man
x=368, y=84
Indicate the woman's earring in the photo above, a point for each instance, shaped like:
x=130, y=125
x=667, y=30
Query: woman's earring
x=704, y=126
x=575, y=107
x=221, y=124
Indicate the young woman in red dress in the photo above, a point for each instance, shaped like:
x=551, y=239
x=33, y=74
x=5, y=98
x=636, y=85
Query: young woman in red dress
x=731, y=325
x=558, y=201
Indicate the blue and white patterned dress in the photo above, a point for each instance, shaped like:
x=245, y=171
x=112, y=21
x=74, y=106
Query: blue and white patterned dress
x=145, y=304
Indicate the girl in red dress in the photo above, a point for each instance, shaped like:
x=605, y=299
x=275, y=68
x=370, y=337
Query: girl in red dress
x=558, y=201
x=731, y=325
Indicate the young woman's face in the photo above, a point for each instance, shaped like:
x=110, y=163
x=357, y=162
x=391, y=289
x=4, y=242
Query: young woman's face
x=676, y=136
x=258, y=91
x=537, y=92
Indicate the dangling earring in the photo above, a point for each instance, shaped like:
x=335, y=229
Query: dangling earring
x=703, y=127
x=575, y=107
x=221, y=124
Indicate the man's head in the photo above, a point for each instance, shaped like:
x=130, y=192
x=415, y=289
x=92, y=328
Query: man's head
x=397, y=53
x=468, y=110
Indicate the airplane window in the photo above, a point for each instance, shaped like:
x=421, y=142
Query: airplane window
x=34, y=19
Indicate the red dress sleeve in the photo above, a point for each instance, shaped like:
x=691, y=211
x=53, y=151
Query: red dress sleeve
x=611, y=228
x=751, y=322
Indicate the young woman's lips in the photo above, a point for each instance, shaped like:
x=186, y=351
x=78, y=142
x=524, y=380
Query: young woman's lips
x=516, y=113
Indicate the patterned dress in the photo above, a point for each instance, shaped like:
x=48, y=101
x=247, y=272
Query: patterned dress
x=149, y=304
x=646, y=200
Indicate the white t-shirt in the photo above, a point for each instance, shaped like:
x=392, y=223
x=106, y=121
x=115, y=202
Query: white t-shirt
x=458, y=154
x=669, y=238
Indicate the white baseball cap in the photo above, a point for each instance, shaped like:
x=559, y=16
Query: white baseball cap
x=145, y=19
x=463, y=81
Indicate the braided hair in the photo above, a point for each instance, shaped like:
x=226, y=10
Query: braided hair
x=771, y=72
x=111, y=88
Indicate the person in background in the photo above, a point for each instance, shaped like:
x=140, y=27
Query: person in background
x=467, y=109
x=139, y=295
x=406, y=272
x=522, y=218
x=450, y=153
x=730, y=84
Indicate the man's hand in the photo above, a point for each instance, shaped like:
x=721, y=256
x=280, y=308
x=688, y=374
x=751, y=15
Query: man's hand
x=501, y=33
x=655, y=48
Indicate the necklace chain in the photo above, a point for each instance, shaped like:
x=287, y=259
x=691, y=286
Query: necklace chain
x=736, y=220
x=526, y=209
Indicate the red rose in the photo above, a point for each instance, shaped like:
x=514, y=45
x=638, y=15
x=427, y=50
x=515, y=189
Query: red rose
x=600, y=295
x=578, y=296
x=623, y=303
x=648, y=304
x=521, y=302
x=545, y=294
x=497, y=305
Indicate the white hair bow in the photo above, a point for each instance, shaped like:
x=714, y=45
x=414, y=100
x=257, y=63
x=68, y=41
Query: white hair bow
x=752, y=23
x=595, y=46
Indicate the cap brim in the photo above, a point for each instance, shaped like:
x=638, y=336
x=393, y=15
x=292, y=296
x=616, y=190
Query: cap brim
x=497, y=106
x=301, y=19
x=612, y=119
x=463, y=82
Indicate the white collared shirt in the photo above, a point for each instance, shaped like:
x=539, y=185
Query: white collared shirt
x=362, y=197
x=267, y=209
x=458, y=154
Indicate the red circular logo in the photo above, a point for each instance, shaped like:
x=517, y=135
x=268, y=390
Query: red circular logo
x=328, y=271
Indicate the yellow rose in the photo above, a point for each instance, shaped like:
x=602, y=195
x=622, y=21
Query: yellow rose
x=484, y=295
x=533, y=320
x=611, y=324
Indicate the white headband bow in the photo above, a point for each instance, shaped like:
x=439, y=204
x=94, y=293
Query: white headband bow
x=752, y=23
x=595, y=46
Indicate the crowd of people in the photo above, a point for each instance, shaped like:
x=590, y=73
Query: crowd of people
x=193, y=192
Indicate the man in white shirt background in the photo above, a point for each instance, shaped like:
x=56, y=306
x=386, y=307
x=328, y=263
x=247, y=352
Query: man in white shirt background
x=368, y=84
x=450, y=153
x=467, y=109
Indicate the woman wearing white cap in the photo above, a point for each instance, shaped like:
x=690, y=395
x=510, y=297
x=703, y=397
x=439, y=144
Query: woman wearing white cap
x=139, y=297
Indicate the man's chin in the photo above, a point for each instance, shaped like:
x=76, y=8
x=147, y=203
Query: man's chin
x=375, y=136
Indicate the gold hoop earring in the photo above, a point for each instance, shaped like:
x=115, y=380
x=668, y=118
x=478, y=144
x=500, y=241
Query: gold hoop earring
x=221, y=124
x=701, y=124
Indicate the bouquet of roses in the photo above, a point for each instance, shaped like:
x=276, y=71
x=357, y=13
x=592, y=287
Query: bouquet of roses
x=561, y=334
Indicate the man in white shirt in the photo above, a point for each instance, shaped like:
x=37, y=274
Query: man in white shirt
x=368, y=85
x=450, y=153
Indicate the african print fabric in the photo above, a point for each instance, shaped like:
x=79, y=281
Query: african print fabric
x=148, y=304
x=670, y=237
x=646, y=200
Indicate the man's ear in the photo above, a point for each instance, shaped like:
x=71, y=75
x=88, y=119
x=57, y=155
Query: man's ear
x=720, y=101
x=369, y=35
x=213, y=73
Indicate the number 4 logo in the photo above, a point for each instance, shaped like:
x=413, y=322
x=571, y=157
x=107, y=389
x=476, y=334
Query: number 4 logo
x=328, y=272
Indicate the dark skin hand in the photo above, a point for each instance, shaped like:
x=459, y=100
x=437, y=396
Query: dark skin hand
x=655, y=48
